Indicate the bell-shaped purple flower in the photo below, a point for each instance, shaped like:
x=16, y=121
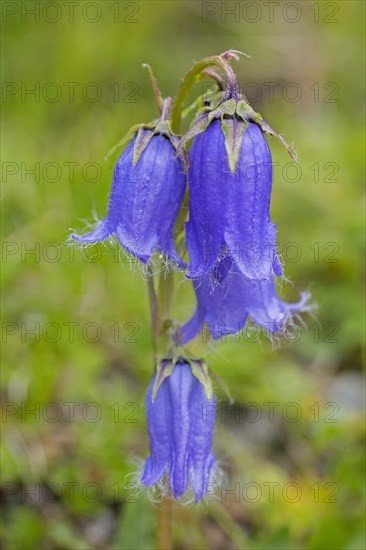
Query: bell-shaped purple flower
x=181, y=422
x=145, y=199
x=225, y=298
x=230, y=209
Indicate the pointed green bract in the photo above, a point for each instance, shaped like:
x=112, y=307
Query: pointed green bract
x=144, y=134
x=198, y=127
x=266, y=128
x=164, y=369
x=127, y=137
x=222, y=384
x=231, y=112
x=199, y=368
x=201, y=372
x=245, y=111
x=233, y=129
x=216, y=99
x=226, y=108
x=201, y=122
x=143, y=137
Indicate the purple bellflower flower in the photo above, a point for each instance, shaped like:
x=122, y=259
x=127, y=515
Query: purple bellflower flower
x=181, y=421
x=225, y=298
x=147, y=192
x=229, y=210
x=231, y=240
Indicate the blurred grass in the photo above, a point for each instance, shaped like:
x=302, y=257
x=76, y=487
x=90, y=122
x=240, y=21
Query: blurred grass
x=323, y=366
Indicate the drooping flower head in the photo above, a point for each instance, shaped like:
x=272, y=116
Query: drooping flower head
x=231, y=240
x=225, y=299
x=229, y=210
x=181, y=420
x=147, y=191
x=230, y=182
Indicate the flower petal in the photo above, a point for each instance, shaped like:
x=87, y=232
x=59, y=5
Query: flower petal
x=160, y=433
x=201, y=457
x=145, y=200
x=100, y=233
x=221, y=302
x=267, y=309
x=225, y=298
x=249, y=233
x=205, y=224
x=190, y=329
x=181, y=422
x=225, y=310
x=181, y=385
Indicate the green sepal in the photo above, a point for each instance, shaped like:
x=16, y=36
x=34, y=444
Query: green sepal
x=266, y=128
x=220, y=382
x=233, y=129
x=145, y=134
x=127, y=137
x=216, y=99
x=199, y=125
x=164, y=127
x=226, y=108
x=143, y=137
x=164, y=368
x=195, y=106
x=247, y=113
x=244, y=110
x=202, y=121
x=201, y=372
x=193, y=76
x=210, y=97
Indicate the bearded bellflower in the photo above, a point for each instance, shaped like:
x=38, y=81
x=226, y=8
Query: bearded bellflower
x=147, y=191
x=230, y=183
x=225, y=298
x=229, y=211
x=230, y=237
x=181, y=415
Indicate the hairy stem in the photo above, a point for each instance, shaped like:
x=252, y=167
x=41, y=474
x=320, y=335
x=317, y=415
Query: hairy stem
x=164, y=540
x=160, y=310
x=197, y=73
x=154, y=313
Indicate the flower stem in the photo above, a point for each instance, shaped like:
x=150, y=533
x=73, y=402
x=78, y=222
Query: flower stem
x=199, y=72
x=164, y=539
x=154, y=313
x=166, y=286
x=160, y=310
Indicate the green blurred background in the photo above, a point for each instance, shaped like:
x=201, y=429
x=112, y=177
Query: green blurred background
x=76, y=332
